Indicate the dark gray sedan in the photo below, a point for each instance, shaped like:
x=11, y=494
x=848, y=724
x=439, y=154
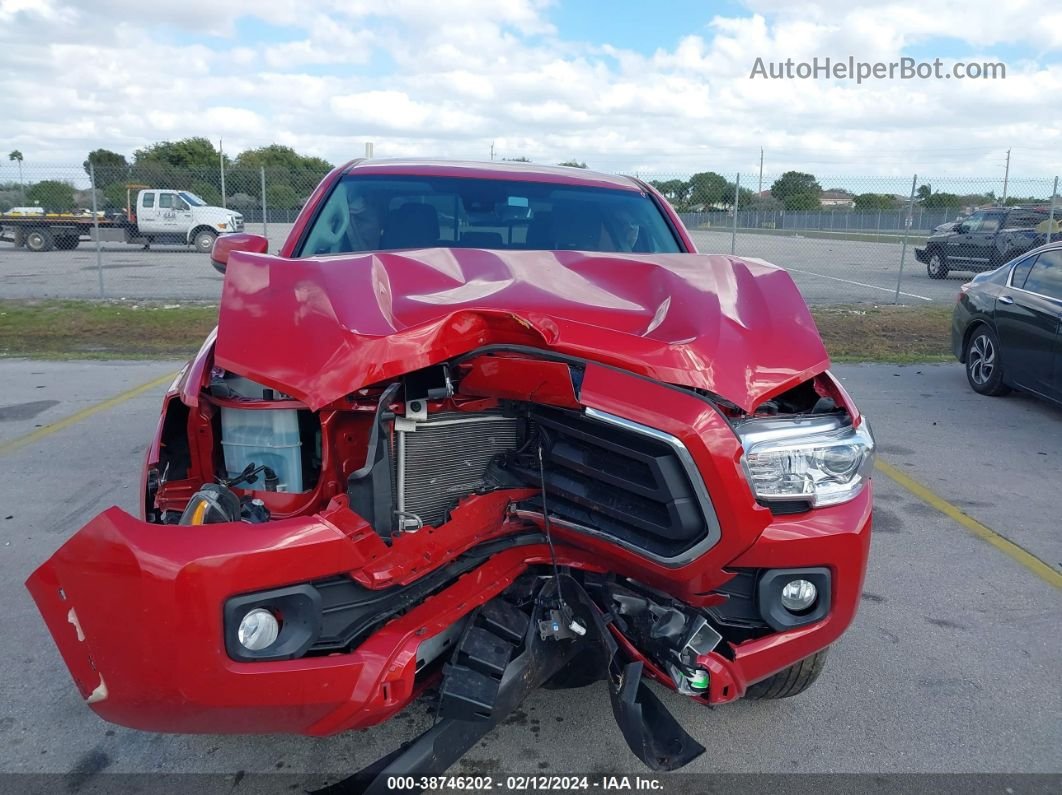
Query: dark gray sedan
x=1007, y=326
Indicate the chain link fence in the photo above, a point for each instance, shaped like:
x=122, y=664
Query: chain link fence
x=81, y=231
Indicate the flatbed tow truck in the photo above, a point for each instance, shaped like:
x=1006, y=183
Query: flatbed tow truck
x=164, y=215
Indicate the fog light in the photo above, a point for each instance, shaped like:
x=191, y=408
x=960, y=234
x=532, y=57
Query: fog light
x=258, y=629
x=799, y=595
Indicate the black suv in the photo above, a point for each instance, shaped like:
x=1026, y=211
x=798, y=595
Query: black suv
x=985, y=240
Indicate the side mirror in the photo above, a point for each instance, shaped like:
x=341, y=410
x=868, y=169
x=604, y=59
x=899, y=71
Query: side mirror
x=962, y=229
x=224, y=245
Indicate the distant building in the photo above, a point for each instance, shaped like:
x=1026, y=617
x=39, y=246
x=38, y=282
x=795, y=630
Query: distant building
x=837, y=198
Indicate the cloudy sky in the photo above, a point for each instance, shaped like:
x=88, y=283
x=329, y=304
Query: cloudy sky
x=614, y=84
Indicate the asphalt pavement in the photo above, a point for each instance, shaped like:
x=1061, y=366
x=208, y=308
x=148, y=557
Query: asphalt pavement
x=826, y=271
x=952, y=664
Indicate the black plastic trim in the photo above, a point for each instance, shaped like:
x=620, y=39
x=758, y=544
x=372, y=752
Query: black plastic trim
x=369, y=488
x=299, y=608
x=769, y=595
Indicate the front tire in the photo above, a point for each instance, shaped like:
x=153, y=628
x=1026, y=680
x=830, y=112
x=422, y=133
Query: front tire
x=204, y=241
x=791, y=681
x=937, y=267
x=984, y=366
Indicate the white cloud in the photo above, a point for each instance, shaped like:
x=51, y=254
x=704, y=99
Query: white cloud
x=448, y=78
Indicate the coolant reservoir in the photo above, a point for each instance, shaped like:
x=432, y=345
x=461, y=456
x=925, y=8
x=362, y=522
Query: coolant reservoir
x=266, y=437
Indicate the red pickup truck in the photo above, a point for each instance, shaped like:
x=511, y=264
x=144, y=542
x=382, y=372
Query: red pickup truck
x=478, y=428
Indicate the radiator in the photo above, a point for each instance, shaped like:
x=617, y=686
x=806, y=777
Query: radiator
x=445, y=459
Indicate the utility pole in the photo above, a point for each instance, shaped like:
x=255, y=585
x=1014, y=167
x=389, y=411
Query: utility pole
x=492, y=150
x=1006, y=176
x=221, y=157
x=760, y=188
x=368, y=150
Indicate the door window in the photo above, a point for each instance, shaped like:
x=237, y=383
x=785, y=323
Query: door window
x=973, y=223
x=1045, y=277
x=149, y=200
x=1021, y=271
x=990, y=223
x=166, y=201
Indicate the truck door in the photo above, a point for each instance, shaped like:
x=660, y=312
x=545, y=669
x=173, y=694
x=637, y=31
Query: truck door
x=183, y=213
x=1029, y=320
x=168, y=222
x=147, y=212
x=983, y=240
x=961, y=244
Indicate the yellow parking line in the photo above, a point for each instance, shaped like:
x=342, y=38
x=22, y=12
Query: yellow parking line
x=1038, y=567
x=21, y=441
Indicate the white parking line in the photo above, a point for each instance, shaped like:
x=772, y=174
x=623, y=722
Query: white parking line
x=860, y=284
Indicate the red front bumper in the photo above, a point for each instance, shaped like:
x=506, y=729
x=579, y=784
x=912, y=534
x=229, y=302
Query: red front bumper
x=136, y=611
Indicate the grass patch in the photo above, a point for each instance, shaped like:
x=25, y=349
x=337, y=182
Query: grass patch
x=103, y=330
x=895, y=334
x=124, y=330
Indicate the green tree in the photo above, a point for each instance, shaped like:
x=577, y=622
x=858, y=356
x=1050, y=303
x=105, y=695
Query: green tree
x=874, y=201
x=282, y=157
x=520, y=159
x=802, y=201
x=940, y=199
x=282, y=197
x=16, y=157
x=110, y=167
x=572, y=164
x=745, y=196
x=923, y=193
x=52, y=195
x=10, y=196
x=114, y=196
x=676, y=191
x=206, y=192
x=796, y=183
x=708, y=189
x=188, y=153
x=287, y=173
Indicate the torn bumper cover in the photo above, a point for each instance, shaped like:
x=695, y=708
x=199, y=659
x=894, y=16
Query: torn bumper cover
x=138, y=613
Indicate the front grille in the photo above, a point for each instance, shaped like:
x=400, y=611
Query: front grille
x=446, y=458
x=616, y=481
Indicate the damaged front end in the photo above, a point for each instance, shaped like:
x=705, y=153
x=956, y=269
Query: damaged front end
x=475, y=500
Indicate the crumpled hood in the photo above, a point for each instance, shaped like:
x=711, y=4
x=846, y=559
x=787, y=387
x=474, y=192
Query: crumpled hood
x=320, y=328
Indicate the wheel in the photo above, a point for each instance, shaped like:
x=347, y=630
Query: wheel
x=204, y=241
x=937, y=267
x=40, y=240
x=67, y=242
x=984, y=366
x=789, y=682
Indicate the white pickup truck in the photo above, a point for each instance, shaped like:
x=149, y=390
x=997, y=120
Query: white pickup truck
x=180, y=214
x=158, y=215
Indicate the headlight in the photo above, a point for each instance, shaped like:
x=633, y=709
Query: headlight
x=822, y=460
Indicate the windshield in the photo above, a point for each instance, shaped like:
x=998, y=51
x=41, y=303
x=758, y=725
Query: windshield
x=381, y=213
x=192, y=199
